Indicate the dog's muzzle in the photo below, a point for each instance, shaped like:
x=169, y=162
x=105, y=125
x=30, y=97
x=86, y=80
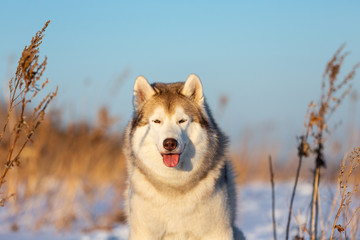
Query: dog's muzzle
x=170, y=159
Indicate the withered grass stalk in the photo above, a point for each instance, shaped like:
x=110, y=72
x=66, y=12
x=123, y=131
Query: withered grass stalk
x=349, y=164
x=24, y=87
x=272, y=197
x=333, y=92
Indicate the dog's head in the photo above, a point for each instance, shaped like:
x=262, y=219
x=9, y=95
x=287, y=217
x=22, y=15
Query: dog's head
x=170, y=127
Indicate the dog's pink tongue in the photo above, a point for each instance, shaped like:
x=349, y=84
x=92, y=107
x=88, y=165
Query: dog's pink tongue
x=171, y=160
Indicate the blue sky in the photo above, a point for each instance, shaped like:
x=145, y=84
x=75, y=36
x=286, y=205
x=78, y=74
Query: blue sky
x=268, y=57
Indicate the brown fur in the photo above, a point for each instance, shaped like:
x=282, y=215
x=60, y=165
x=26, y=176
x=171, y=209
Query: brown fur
x=169, y=96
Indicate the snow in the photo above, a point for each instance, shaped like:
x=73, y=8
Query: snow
x=253, y=217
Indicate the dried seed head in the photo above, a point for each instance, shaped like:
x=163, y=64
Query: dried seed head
x=339, y=228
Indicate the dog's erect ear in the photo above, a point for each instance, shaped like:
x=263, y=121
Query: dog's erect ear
x=142, y=91
x=193, y=89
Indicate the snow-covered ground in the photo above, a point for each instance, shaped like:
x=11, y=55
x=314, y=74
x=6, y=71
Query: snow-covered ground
x=254, y=215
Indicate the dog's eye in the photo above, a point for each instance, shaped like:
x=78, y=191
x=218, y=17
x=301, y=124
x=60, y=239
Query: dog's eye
x=182, y=121
x=157, y=121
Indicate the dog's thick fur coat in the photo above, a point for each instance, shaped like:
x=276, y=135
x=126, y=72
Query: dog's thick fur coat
x=186, y=190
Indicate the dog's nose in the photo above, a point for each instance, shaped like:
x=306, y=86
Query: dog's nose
x=170, y=144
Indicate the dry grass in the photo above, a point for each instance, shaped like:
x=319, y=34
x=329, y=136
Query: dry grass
x=73, y=168
x=333, y=93
x=59, y=173
x=348, y=187
x=313, y=138
x=20, y=125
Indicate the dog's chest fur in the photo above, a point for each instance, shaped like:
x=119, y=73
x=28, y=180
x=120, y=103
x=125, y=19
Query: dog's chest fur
x=188, y=216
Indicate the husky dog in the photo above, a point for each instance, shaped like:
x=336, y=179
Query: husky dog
x=180, y=181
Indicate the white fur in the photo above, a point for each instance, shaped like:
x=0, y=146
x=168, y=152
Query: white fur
x=183, y=214
x=148, y=144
